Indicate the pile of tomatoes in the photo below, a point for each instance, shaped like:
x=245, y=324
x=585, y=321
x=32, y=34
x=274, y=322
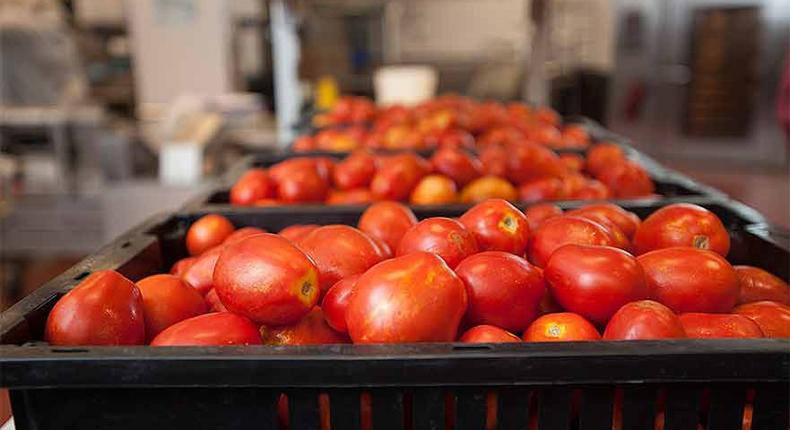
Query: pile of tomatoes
x=526, y=172
x=495, y=274
x=446, y=120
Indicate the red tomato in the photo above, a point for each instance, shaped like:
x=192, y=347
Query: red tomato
x=336, y=301
x=493, y=160
x=547, y=115
x=434, y=190
x=575, y=136
x=208, y=232
x=445, y=237
x=682, y=224
x=627, y=180
x=563, y=230
x=267, y=279
x=690, y=280
x=488, y=187
x=644, y=319
x=546, y=135
x=572, y=162
x=773, y=318
x=757, y=285
x=214, y=304
x=560, y=327
x=456, y=139
x=412, y=298
x=528, y=161
x=594, y=281
x=383, y=249
x=387, y=221
x=497, y=226
x=541, y=189
x=591, y=189
x=242, y=233
x=296, y=232
x=488, y=334
x=181, y=266
x=340, y=251
x=701, y=326
x=627, y=221
x=356, y=171
x=254, y=185
x=537, y=214
x=503, y=290
x=200, y=274
x=359, y=196
x=103, y=309
x=304, y=185
x=457, y=164
x=619, y=238
x=310, y=330
x=603, y=156
x=303, y=144
x=167, y=300
x=397, y=176
x=219, y=328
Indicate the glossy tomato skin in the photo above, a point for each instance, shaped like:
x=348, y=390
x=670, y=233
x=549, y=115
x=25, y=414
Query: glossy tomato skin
x=540, y=189
x=682, y=224
x=181, y=266
x=563, y=230
x=456, y=164
x=434, y=190
x=242, y=233
x=572, y=162
x=339, y=251
x=488, y=334
x=627, y=221
x=310, y=330
x=254, y=185
x=356, y=171
x=644, y=320
x=208, y=232
x=357, y=196
x=336, y=301
x=412, y=298
x=103, y=309
x=387, y=221
x=757, y=285
x=267, y=279
x=529, y=161
x=297, y=231
x=502, y=289
x=214, y=303
x=488, y=187
x=493, y=159
x=538, y=213
x=214, y=329
x=445, y=237
x=497, y=226
x=773, y=318
x=602, y=156
x=302, y=185
x=703, y=326
x=594, y=281
x=397, y=176
x=627, y=180
x=690, y=280
x=200, y=275
x=560, y=327
x=167, y=300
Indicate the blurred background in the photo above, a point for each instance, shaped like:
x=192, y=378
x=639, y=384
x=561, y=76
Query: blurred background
x=113, y=110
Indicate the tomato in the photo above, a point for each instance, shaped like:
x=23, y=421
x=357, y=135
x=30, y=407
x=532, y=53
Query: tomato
x=757, y=285
x=310, y=330
x=572, y=162
x=563, y=230
x=575, y=136
x=627, y=179
x=167, y=300
x=619, y=238
x=546, y=135
x=773, y=318
x=445, y=237
x=690, y=280
x=627, y=221
x=503, y=290
x=103, y=309
x=336, y=301
x=267, y=203
x=602, y=156
x=541, y=189
x=488, y=187
x=254, y=185
x=208, y=232
x=411, y=298
x=267, y=279
x=537, y=214
x=387, y=221
x=359, y=196
x=701, y=326
x=181, y=266
x=547, y=115
x=644, y=319
x=434, y=190
x=303, y=144
x=560, y=327
x=397, y=176
x=219, y=328
x=200, y=274
x=493, y=160
x=528, y=161
x=457, y=165
x=288, y=167
x=214, y=304
x=682, y=224
x=296, y=232
x=383, y=249
x=594, y=281
x=488, y=334
x=590, y=189
x=303, y=185
x=242, y=233
x=497, y=226
x=356, y=171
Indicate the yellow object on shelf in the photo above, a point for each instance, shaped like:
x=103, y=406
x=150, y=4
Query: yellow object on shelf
x=326, y=93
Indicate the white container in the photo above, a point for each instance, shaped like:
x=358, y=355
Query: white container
x=406, y=85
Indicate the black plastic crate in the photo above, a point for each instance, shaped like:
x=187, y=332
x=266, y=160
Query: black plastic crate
x=561, y=385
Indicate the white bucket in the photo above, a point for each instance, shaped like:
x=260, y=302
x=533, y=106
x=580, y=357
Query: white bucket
x=406, y=85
